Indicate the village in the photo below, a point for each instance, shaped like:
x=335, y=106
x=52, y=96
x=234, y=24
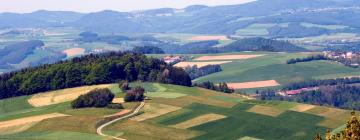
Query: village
x=348, y=58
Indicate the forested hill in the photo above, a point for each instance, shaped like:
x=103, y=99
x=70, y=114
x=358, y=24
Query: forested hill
x=262, y=44
x=15, y=53
x=89, y=70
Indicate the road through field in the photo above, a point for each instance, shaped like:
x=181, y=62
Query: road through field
x=99, y=129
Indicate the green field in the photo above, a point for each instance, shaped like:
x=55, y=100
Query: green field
x=239, y=122
x=272, y=66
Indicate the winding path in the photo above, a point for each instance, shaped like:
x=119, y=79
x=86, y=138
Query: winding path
x=99, y=129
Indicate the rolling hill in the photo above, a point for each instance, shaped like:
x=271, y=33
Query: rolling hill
x=207, y=20
x=174, y=112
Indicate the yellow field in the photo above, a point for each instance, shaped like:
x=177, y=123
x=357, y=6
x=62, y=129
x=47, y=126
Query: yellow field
x=74, y=52
x=265, y=110
x=198, y=121
x=60, y=96
x=255, y=84
x=200, y=64
x=118, y=100
x=248, y=138
x=19, y=125
x=152, y=110
x=205, y=38
x=302, y=108
x=226, y=57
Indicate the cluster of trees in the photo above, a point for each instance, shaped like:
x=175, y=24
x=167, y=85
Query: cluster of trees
x=316, y=83
x=89, y=37
x=95, y=98
x=148, y=50
x=222, y=87
x=261, y=44
x=341, y=96
x=200, y=47
x=135, y=94
x=195, y=72
x=307, y=59
x=89, y=70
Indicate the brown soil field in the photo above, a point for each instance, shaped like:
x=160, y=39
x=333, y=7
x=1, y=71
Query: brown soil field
x=18, y=125
x=198, y=121
x=302, y=107
x=74, y=51
x=60, y=96
x=152, y=110
x=206, y=38
x=255, y=84
x=227, y=57
x=265, y=110
x=200, y=64
x=333, y=116
x=118, y=100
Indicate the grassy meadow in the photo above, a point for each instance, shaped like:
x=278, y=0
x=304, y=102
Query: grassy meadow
x=196, y=114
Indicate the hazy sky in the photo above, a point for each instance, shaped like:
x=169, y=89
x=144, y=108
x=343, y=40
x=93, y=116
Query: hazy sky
x=25, y=6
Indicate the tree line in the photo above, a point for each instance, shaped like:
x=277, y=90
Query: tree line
x=89, y=70
x=316, y=83
x=222, y=87
x=306, y=59
x=195, y=72
x=340, y=96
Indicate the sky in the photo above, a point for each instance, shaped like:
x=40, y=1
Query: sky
x=86, y=6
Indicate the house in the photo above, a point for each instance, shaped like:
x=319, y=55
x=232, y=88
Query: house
x=173, y=59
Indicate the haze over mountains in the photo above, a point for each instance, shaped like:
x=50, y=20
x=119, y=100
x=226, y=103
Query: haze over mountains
x=199, y=18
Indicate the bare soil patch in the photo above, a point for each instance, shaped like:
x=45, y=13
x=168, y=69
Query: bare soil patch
x=60, y=96
x=265, y=110
x=255, y=84
x=74, y=51
x=118, y=100
x=226, y=57
x=18, y=125
x=200, y=64
x=302, y=107
x=199, y=120
x=206, y=38
x=152, y=110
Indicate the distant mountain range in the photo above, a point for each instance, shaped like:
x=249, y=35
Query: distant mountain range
x=198, y=18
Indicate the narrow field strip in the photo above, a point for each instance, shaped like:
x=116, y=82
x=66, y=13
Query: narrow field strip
x=227, y=57
x=206, y=38
x=302, y=108
x=152, y=110
x=200, y=64
x=254, y=84
x=265, y=110
x=118, y=100
x=198, y=121
x=60, y=96
x=18, y=125
x=249, y=138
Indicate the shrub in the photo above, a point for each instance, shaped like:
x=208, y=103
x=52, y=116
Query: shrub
x=95, y=98
x=136, y=94
x=124, y=86
x=115, y=106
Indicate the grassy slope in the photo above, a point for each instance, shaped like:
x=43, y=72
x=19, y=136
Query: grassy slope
x=273, y=66
x=238, y=124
